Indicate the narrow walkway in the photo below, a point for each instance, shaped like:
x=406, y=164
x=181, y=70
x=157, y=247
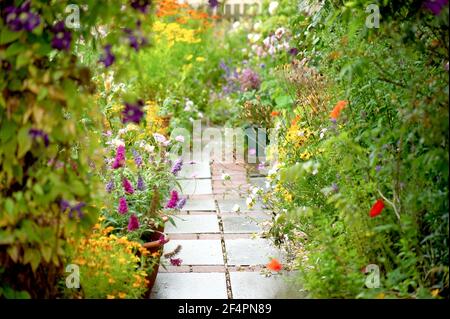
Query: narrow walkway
x=221, y=251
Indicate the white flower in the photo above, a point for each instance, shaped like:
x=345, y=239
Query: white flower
x=280, y=32
x=254, y=37
x=122, y=131
x=188, y=106
x=226, y=177
x=273, y=7
x=191, y=119
x=200, y=115
x=256, y=190
x=149, y=148
x=322, y=133
x=236, y=208
x=159, y=137
x=118, y=142
x=272, y=50
x=266, y=42
x=179, y=138
x=257, y=26
x=236, y=25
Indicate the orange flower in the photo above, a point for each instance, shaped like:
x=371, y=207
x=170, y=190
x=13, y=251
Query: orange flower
x=338, y=109
x=274, y=113
x=296, y=120
x=274, y=265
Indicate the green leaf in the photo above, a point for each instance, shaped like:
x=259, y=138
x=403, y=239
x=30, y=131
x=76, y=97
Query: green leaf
x=33, y=257
x=46, y=252
x=7, y=36
x=25, y=142
x=22, y=59
x=14, y=49
x=9, y=205
x=284, y=101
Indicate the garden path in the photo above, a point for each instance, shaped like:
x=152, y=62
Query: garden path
x=221, y=251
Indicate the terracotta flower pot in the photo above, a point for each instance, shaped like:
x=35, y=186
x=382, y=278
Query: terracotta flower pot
x=155, y=246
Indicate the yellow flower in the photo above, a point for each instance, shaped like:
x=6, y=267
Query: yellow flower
x=122, y=295
x=200, y=59
x=110, y=297
x=189, y=57
x=111, y=280
x=435, y=292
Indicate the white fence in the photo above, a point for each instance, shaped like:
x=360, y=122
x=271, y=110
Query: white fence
x=232, y=9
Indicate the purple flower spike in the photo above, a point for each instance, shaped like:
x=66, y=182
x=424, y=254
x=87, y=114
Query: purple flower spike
x=108, y=57
x=141, y=5
x=110, y=186
x=133, y=112
x=249, y=80
x=177, y=166
x=173, y=201
x=128, y=188
x=435, y=6
x=123, y=206
x=175, y=261
x=119, y=161
x=35, y=134
x=137, y=158
x=213, y=3
x=77, y=208
x=64, y=205
x=140, y=183
x=62, y=37
x=133, y=223
x=181, y=203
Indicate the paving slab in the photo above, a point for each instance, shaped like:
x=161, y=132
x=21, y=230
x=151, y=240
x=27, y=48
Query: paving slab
x=195, y=186
x=190, y=286
x=191, y=224
x=227, y=204
x=197, y=170
x=197, y=252
x=241, y=224
x=244, y=284
x=251, y=251
x=200, y=204
x=258, y=181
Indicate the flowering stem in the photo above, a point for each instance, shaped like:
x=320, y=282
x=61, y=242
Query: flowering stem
x=390, y=203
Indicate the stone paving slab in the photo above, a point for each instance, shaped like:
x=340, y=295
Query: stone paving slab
x=205, y=204
x=226, y=205
x=197, y=170
x=243, y=286
x=190, y=224
x=195, y=186
x=258, y=181
x=251, y=251
x=197, y=252
x=190, y=286
x=241, y=224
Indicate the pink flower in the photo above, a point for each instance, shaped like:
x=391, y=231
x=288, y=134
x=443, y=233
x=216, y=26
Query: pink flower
x=252, y=151
x=179, y=138
x=176, y=261
x=173, y=201
x=163, y=239
x=127, y=186
x=133, y=223
x=119, y=161
x=123, y=206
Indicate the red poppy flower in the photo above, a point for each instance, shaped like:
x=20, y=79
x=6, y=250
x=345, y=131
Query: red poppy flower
x=376, y=208
x=274, y=265
x=274, y=113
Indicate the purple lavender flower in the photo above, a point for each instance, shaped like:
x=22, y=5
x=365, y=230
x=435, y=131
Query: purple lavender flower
x=435, y=6
x=334, y=187
x=35, y=134
x=62, y=37
x=133, y=112
x=293, y=51
x=140, y=183
x=110, y=186
x=181, y=203
x=77, y=208
x=378, y=168
x=108, y=57
x=135, y=38
x=249, y=80
x=64, y=205
x=137, y=157
x=177, y=166
x=141, y=5
x=21, y=18
x=133, y=223
x=175, y=261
